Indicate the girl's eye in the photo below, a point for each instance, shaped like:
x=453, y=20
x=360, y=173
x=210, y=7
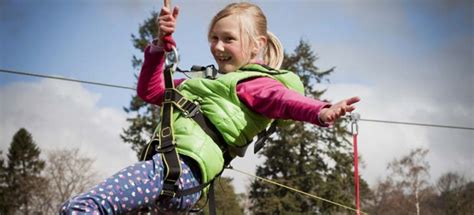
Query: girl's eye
x=229, y=39
x=214, y=38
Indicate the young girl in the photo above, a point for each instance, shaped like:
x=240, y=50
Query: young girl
x=239, y=104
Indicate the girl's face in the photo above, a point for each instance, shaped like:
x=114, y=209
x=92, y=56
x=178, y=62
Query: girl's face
x=227, y=46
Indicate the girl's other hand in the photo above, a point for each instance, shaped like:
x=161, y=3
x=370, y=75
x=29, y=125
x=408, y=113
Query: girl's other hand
x=331, y=114
x=166, y=23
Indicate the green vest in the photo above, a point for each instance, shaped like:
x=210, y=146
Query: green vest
x=220, y=104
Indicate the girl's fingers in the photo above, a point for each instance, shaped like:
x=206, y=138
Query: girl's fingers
x=342, y=111
x=352, y=100
x=167, y=24
x=165, y=14
x=164, y=11
x=329, y=119
x=166, y=21
x=167, y=18
x=166, y=30
x=175, y=12
x=350, y=108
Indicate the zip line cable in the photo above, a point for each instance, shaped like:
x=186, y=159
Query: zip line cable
x=417, y=124
x=65, y=79
x=296, y=190
x=131, y=88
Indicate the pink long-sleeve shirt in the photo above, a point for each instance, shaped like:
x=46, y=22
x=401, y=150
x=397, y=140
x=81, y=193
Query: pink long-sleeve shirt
x=263, y=95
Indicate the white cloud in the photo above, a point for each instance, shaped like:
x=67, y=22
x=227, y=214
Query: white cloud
x=405, y=74
x=379, y=143
x=63, y=114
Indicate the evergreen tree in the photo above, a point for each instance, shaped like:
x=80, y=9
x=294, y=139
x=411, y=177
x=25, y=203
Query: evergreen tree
x=306, y=157
x=226, y=199
x=5, y=206
x=146, y=117
x=22, y=172
x=227, y=202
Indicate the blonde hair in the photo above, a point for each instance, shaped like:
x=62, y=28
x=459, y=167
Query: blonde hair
x=254, y=23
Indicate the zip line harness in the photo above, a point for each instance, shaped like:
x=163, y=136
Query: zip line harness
x=163, y=142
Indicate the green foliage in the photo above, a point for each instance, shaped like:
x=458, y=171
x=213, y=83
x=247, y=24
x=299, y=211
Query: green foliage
x=21, y=175
x=312, y=159
x=146, y=33
x=226, y=199
x=302, y=62
x=145, y=117
x=227, y=202
x=5, y=206
x=456, y=194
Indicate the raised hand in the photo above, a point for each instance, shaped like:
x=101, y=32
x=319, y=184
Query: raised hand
x=166, y=23
x=331, y=114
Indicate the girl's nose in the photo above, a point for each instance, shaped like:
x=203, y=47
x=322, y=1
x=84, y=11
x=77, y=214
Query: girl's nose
x=219, y=46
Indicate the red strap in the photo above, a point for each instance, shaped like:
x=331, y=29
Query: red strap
x=356, y=173
x=168, y=43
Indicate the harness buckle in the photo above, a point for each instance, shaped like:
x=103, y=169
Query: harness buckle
x=169, y=189
x=192, y=110
x=168, y=193
x=168, y=95
x=181, y=102
x=165, y=149
x=165, y=132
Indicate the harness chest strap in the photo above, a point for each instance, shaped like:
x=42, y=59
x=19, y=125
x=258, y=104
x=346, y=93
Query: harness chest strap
x=166, y=144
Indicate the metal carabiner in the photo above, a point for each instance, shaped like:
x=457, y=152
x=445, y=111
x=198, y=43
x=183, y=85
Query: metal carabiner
x=172, y=58
x=354, y=117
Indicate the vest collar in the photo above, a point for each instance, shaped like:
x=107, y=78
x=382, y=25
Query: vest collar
x=255, y=67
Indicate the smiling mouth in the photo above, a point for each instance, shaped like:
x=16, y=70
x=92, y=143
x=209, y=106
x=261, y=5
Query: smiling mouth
x=222, y=58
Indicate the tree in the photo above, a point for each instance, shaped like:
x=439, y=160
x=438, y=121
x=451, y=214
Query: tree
x=145, y=116
x=5, y=206
x=456, y=194
x=308, y=158
x=227, y=202
x=412, y=174
x=22, y=173
x=387, y=199
x=67, y=173
x=406, y=188
x=226, y=199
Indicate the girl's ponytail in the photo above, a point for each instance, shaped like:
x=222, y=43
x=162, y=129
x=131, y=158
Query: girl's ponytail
x=274, y=53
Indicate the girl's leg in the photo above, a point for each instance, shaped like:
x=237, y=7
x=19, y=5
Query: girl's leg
x=184, y=203
x=132, y=188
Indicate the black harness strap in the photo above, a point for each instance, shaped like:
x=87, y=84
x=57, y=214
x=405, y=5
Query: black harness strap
x=192, y=110
x=212, y=200
x=263, y=136
x=167, y=145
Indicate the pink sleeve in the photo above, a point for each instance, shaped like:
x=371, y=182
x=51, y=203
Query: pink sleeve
x=272, y=99
x=151, y=85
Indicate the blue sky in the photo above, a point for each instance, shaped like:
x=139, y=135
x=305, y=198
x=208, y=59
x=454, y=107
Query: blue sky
x=407, y=60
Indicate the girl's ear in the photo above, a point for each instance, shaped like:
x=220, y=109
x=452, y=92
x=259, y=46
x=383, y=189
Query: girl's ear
x=260, y=46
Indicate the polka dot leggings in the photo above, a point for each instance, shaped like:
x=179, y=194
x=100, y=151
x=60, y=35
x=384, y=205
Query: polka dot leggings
x=133, y=188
